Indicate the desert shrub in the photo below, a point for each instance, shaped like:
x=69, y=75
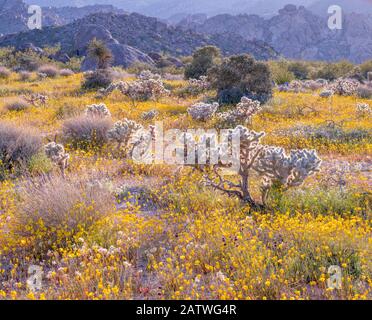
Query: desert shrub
x=328, y=132
x=52, y=213
x=202, y=60
x=4, y=73
x=49, y=70
x=66, y=73
x=16, y=104
x=240, y=76
x=282, y=76
x=299, y=69
x=97, y=79
x=40, y=164
x=332, y=71
x=364, y=91
x=25, y=75
x=86, y=132
x=365, y=68
x=17, y=147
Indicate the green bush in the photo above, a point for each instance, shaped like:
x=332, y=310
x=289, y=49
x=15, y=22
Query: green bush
x=240, y=76
x=202, y=60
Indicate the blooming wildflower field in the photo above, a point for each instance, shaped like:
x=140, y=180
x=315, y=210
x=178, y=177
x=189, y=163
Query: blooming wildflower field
x=104, y=227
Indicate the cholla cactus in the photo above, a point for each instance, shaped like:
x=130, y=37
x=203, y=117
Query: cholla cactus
x=120, y=86
x=56, y=153
x=288, y=171
x=295, y=86
x=202, y=111
x=36, y=99
x=243, y=112
x=141, y=90
x=123, y=131
x=150, y=115
x=344, y=87
x=197, y=86
x=148, y=75
x=97, y=110
x=363, y=109
x=250, y=151
x=272, y=163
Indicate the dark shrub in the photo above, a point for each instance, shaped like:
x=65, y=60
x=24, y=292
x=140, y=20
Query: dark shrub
x=203, y=59
x=86, y=132
x=4, y=73
x=25, y=75
x=16, y=104
x=97, y=79
x=50, y=70
x=17, y=147
x=240, y=76
x=365, y=92
x=299, y=69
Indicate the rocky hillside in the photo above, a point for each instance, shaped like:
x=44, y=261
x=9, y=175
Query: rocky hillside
x=296, y=32
x=141, y=32
x=14, y=15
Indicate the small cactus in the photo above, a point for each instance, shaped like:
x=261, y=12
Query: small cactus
x=202, y=111
x=97, y=110
x=56, y=153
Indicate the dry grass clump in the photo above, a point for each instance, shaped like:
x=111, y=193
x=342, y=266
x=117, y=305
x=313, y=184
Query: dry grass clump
x=49, y=70
x=66, y=73
x=25, y=76
x=16, y=104
x=4, y=73
x=86, y=132
x=17, y=147
x=54, y=211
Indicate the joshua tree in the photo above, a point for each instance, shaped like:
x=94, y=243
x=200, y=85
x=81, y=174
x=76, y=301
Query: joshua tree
x=98, y=51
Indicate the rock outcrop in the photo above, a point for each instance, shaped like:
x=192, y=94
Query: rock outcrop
x=143, y=33
x=297, y=33
x=123, y=55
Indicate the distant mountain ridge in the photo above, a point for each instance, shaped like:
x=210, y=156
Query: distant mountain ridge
x=144, y=33
x=14, y=15
x=297, y=33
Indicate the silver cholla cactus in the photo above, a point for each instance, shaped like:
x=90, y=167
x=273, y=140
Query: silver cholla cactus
x=243, y=112
x=202, y=111
x=344, y=87
x=97, y=110
x=363, y=109
x=56, y=153
x=290, y=171
x=122, y=132
x=148, y=75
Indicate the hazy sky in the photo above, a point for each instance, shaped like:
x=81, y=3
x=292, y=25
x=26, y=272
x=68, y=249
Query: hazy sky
x=166, y=8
